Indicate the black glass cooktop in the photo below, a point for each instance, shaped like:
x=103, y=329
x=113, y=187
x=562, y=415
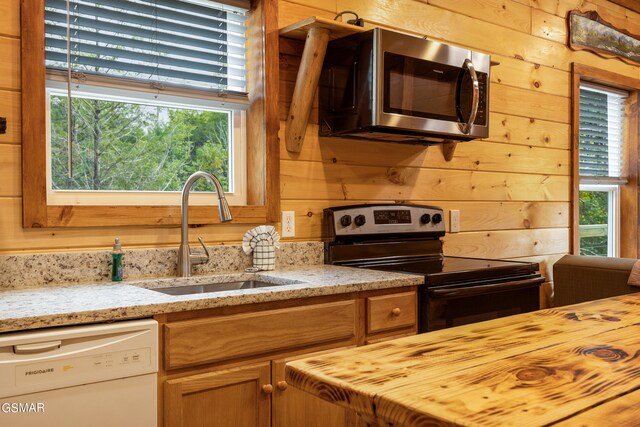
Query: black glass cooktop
x=454, y=269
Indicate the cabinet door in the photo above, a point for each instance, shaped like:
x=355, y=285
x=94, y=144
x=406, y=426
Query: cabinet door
x=226, y=398
x=294, y=408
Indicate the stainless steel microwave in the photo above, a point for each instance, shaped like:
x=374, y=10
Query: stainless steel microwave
x=384, y=85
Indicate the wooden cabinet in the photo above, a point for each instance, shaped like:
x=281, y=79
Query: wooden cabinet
x=215, y=339
x=294, y=408
x=388, y=312
x=234, y=397
x=225, y=367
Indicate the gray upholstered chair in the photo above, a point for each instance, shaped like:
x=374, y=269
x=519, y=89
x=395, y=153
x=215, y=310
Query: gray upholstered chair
x=585, y=278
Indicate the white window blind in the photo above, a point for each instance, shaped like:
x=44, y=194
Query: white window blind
x=142, y=93
x=602, y=122
x=197, y=44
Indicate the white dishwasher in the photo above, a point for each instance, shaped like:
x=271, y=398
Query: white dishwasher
x=95, y=375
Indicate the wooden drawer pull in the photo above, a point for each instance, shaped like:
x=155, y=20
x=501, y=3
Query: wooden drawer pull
x=396, y=312
x=267, y=388
x=282, y=385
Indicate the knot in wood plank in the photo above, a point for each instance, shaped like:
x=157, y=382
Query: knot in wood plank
x=396, y=177
x=534, y=373
x=607, y=353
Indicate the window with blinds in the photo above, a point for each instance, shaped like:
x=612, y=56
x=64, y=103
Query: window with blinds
x=197, y=44
x=602, y=119
x=142, y=93
x=602, y=167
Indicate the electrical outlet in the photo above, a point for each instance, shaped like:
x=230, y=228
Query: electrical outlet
x=454, y=220
x=288, y=224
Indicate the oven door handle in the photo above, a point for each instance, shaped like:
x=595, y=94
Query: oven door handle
x=484, y=289
x=475, y=102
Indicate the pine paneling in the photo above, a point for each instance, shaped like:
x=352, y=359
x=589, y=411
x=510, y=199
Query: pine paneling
x=479, y=155
x=529, y=131
x=9, y=73
x=549, y=26
x=10, y=108
x=10, y=19
x=10, y=170
x=508, y=243
x=290, y=13
x=312, y=180
x=485, y=216
x=561, y=7
x=526, y=75
x=328, y=5
x=507, y=13
x=526, y=103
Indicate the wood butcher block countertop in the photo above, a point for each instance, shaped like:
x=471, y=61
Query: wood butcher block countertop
x=576, y=365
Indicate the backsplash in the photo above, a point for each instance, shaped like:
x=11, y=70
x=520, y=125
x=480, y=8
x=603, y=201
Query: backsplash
x=60, y=268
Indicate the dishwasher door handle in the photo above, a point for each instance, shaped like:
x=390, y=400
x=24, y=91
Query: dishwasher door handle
x=39, y=347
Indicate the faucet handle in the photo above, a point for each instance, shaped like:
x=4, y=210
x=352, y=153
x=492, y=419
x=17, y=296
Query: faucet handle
x=199, y=257
x=206, y=251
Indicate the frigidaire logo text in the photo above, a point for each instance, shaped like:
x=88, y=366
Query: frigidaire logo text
x=39, y=371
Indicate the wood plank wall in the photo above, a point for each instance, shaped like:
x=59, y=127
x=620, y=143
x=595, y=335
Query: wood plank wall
x=513, y=189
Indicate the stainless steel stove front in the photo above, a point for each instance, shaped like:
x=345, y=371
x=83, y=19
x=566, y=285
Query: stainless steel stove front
x=406, y=238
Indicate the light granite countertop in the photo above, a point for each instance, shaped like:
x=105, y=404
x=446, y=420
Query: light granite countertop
x=77, y=304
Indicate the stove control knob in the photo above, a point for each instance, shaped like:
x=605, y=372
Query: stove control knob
x=345, y=220
x=437, y=219
x=425, y=218
x=360, y=220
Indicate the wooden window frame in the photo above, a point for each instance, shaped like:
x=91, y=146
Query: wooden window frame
x=629, y=241
x=263, y=146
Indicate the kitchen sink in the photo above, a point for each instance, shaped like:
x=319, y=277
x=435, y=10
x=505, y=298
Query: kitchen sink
x=203, y=288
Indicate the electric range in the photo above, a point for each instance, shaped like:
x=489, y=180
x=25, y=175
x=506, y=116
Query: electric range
x=407, y=239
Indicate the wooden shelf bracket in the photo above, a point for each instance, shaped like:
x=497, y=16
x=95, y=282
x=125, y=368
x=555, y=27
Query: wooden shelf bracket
x=306, y=84
x=448, y=149
x=317, y=33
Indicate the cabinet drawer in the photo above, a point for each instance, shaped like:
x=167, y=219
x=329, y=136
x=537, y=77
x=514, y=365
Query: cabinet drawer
x=388, y=312
x=192, y=342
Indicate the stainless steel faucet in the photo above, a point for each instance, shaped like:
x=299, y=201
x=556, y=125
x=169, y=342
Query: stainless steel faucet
x=186, y=258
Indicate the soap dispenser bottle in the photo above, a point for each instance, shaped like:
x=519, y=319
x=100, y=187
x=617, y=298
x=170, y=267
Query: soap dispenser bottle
x=116, y=266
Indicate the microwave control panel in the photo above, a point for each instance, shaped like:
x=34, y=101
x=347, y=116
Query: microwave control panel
x=481, y=116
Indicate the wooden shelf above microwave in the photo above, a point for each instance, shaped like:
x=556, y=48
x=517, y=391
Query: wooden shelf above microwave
x=317, y=32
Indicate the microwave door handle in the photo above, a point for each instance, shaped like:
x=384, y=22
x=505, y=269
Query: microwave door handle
x=475, y=102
